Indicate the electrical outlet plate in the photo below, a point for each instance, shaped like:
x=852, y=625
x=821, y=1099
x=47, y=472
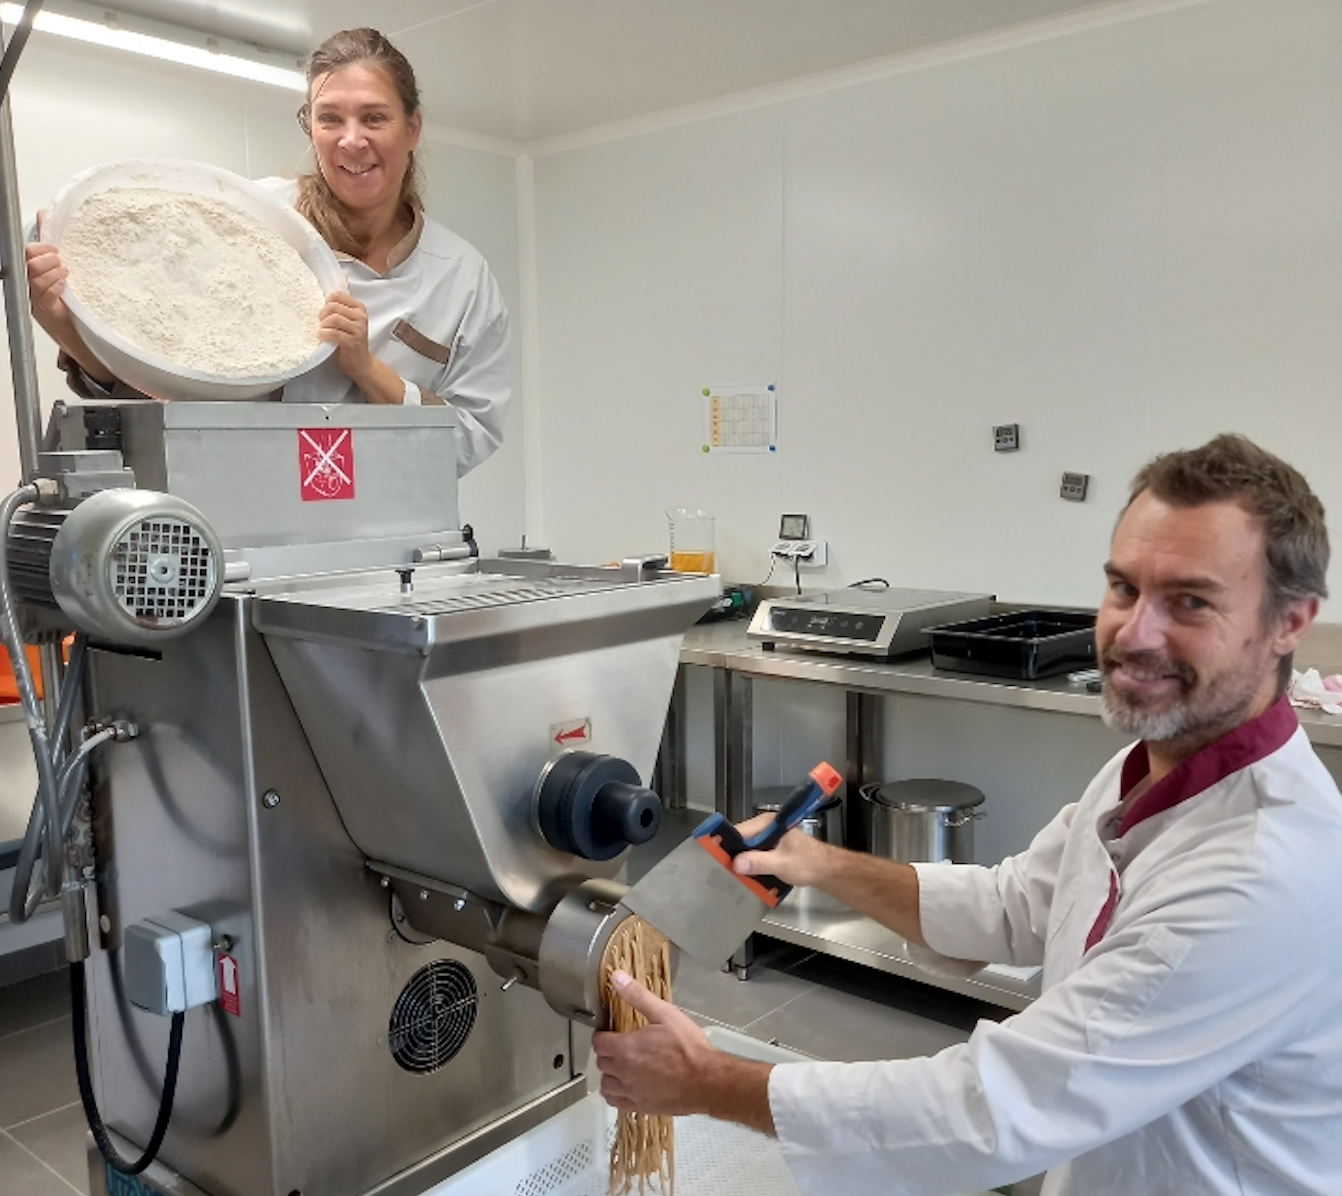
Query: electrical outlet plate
x=1074, y=486
x=1006, y=438
x=809, y=554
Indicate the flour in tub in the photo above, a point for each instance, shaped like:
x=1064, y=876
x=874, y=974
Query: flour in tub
x=192, y=281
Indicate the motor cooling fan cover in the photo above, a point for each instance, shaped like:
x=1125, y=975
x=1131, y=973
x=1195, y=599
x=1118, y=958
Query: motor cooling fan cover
x=433, y=1016
x=136, y=566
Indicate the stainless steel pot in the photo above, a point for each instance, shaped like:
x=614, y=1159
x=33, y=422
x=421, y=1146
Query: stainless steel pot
x=922, y=820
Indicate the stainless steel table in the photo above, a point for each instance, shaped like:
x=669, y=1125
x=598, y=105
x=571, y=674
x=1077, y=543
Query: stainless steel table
x=737, y=663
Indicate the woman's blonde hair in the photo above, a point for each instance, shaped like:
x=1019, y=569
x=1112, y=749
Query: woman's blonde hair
x=316, y=201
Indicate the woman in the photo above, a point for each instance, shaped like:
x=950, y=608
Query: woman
x=423, y=320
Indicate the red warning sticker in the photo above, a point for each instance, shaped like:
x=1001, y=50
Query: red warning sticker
x=229, y=996
x=325, y=463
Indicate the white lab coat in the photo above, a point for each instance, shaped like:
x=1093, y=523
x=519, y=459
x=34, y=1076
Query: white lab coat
x=437, y=318
x=1194, y=1049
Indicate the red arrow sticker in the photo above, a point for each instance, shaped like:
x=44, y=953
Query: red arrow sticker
x=229, y=995
x=577, y=733
x=325, y=463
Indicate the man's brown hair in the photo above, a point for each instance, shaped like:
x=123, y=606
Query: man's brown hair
x=1232, y=468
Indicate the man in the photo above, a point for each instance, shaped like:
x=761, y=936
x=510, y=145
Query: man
x=1187, y=911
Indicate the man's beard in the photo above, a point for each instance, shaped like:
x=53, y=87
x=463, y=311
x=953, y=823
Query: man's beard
x=1203, y=710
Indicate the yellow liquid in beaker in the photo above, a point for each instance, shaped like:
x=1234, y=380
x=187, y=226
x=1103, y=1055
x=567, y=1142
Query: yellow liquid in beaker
x=694, y=562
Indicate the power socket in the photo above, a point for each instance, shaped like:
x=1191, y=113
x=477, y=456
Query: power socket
x=1006, y=438
x=809, y=554
x=1074, y=486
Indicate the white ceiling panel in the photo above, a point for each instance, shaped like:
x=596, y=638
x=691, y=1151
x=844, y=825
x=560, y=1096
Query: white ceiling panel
x=530, y=69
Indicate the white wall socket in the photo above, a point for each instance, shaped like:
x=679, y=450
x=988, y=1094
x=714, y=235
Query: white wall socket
x=809, y=554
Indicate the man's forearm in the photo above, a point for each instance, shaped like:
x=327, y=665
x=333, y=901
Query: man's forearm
x=738, y=1090
x=885, y=890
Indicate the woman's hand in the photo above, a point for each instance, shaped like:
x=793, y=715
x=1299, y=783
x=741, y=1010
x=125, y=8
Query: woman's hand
x=47, y=275
x=344, y=322
x=46, y=290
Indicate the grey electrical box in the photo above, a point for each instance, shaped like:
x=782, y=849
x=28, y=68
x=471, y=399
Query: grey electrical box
x=1006, y=438
x=169, y=963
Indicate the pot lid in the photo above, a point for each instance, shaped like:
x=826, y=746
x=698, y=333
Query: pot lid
x=924, y=794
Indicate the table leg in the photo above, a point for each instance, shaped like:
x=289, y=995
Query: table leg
x=734, y=744
x=864, y=719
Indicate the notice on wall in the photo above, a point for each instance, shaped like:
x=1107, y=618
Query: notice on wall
x=740, y=419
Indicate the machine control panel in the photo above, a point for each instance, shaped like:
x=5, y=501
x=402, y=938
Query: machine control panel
x=848, y=625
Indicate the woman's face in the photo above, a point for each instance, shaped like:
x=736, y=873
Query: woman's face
x=362, y=136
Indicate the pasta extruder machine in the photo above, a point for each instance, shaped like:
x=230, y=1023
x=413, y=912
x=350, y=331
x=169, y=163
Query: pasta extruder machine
x=356, y=799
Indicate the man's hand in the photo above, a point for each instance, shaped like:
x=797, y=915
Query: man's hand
x=670, y=1067
x=797, y=860
x=884, y=890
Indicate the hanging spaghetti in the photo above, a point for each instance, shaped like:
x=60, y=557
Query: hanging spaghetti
x=644, y=1145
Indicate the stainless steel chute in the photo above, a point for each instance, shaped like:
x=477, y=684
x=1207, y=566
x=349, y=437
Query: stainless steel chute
x=433, y=713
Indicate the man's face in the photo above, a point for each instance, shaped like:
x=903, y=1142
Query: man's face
x=1186, y=653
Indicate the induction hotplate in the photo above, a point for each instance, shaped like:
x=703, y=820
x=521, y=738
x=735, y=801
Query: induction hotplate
x=861, y=620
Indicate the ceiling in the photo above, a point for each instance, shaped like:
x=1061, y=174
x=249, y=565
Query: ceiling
x=525, y=70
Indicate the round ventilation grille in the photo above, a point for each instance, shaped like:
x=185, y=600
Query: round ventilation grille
x=162, y=571
x=433, y=1016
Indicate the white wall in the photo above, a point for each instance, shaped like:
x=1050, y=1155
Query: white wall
x=75, y=107
x=1126, y=240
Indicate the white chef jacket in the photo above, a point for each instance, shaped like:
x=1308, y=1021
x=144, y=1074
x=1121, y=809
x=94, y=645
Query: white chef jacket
x=437, y=318
x=1188, y=1038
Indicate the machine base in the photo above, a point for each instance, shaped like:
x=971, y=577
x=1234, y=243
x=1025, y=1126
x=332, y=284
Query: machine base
x=159, y=1180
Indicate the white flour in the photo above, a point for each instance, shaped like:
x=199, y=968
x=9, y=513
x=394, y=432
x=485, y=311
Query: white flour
x=194, y=282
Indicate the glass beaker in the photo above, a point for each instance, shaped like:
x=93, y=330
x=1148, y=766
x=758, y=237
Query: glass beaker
x=691, y=540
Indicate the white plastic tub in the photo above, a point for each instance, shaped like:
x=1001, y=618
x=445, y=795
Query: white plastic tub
x=164, y=379
x=569, y=1154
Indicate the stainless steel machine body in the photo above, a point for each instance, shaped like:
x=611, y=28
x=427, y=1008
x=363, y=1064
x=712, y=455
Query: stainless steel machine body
x=338, y=772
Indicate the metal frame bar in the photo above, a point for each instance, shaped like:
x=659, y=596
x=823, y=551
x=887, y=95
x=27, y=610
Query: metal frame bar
x=18, y=319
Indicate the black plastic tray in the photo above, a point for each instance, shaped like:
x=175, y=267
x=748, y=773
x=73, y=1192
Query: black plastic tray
x=1024, y=644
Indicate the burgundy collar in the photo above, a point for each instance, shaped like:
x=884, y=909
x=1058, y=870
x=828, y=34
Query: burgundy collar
x=1245, y=745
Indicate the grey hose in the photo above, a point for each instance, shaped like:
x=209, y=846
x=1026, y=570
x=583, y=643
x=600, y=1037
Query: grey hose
x=24, y=896
x=32, y=708
x=73, y=773
x=48, y=794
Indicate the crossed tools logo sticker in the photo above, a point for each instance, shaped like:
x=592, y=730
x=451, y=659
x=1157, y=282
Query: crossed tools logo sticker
x=325, y=463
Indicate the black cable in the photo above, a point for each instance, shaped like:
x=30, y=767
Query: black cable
x=78, y=1015
x=796, y=572
x=16, y=44
x=870, y=581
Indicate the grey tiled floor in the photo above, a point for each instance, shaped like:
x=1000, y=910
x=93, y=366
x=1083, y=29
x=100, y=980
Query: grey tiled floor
x=41, y=1123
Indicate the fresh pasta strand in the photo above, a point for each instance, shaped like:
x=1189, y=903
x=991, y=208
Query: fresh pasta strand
x=644, y=1145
